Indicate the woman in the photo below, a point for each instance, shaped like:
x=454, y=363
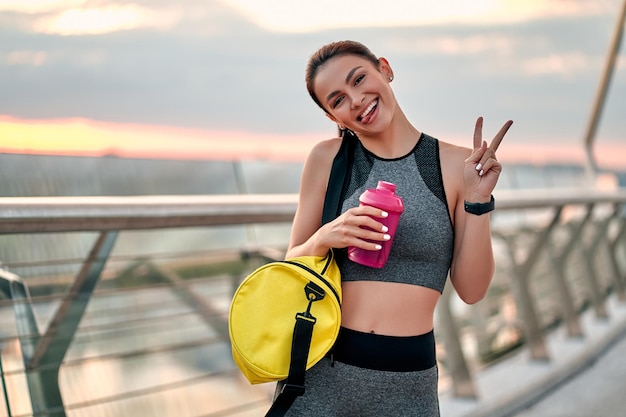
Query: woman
x=383, y=363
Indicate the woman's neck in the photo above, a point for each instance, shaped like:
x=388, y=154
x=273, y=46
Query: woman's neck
x=395, y=141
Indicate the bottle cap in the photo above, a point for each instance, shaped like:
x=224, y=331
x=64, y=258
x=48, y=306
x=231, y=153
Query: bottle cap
x=383, y=197
x=386, y=186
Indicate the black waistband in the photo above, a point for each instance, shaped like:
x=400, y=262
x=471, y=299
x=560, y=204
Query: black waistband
x=385, y=353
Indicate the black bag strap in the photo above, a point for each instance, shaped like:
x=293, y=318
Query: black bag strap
x=339, y=176
x=300, y=345
x=293, y=386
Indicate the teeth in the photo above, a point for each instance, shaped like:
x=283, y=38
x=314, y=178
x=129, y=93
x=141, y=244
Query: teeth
x=369, y=109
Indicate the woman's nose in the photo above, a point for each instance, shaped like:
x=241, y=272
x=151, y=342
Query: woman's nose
x=356, y=100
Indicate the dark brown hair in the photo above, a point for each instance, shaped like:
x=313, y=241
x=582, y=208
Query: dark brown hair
x=332, y=50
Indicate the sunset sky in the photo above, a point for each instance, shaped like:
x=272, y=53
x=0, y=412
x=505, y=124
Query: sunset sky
x=225, y=79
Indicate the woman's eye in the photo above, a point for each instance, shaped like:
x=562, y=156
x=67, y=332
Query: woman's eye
x=337, y=101
x=359, y=79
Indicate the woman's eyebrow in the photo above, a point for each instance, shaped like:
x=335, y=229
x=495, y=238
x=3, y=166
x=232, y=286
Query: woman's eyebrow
x=348, y=77
x=351, y=73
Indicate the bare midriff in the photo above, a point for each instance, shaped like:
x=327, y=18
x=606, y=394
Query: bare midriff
x=388, y=308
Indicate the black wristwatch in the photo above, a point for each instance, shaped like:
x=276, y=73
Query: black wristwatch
x=480, y=208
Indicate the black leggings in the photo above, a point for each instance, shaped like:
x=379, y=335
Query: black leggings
x=385, y=353
x=372, y=375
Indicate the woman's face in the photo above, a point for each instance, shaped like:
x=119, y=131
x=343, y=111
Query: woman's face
x=356, y=94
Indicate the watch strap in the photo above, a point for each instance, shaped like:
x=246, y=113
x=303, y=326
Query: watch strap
x=480, y=208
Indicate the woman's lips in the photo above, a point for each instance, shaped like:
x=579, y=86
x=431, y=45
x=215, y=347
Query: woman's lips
x=368, y=112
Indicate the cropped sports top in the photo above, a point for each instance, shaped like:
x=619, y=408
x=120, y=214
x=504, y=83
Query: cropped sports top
x=422, y=247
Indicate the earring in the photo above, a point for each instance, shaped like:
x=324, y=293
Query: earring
x=391, y=78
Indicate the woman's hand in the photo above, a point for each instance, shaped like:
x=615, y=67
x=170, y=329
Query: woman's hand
x=482, y=169
x=356, y=227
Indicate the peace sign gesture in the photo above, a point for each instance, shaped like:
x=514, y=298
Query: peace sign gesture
x=482, y=169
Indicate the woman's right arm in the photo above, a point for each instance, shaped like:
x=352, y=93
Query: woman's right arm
x=308, y=218
x=308, y=236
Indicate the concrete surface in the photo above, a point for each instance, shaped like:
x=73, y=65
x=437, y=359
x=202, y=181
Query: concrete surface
x=584, y=378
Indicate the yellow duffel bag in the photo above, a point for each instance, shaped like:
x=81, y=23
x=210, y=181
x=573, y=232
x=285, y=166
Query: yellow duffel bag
x=296, y=302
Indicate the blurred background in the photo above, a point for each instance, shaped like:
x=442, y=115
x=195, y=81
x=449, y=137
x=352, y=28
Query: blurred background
x=207, y=97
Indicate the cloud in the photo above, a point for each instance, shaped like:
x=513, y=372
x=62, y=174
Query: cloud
x=567, y=65
x=111, y=18
x=26, y=58
x=472, y=44
x=37, y=6
x=82, y=17
x=293, y=17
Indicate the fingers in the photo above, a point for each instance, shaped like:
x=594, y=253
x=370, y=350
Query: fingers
x=372, y=211
x=487, y=162
x=495, y=143
x=481, y=152
x=478, y=133
x=478, y=153
x=365, y=218
x=362, y=229
x=488, y=165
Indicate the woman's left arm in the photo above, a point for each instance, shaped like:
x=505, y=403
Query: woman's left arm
x=473, y=263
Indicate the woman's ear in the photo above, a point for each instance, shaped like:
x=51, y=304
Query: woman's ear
x=332, y=119
x=385, y=68
x=339, y=125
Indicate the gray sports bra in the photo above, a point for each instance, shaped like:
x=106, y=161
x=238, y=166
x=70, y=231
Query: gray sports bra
x=422, y=248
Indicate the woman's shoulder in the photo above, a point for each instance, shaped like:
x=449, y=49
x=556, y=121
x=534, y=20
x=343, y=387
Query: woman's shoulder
x=319, y=163
x=452, y=159
x=452, y=154
x=323, y=152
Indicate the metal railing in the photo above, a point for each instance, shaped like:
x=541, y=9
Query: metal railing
x=538, y=251
x=541, y=236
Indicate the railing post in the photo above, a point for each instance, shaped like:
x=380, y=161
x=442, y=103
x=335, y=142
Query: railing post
x=43, y=355
x=521, y=288
x=54, y=343
x=602, y=235
x=462, y=381
x=479, y=313
x=598, y=104
x=207, y=312
x=591, y=276
x=618, y=277
x=7, y=403
x=568, y=307
x=45, y=395
x=242, y=188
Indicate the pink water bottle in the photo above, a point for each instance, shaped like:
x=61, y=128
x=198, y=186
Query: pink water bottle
x=383, y=197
